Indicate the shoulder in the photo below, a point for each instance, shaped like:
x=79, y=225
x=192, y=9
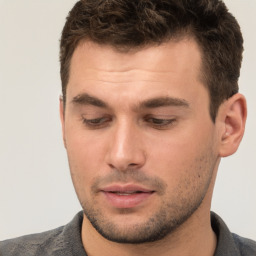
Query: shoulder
x=245, y=246
x=59, y=241
x=35, y=244
x=230, y=244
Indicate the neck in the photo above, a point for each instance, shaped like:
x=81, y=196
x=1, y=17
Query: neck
x=195, y=237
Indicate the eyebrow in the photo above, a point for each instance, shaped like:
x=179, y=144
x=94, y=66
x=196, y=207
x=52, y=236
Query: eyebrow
x=86, y=99
x=164, y=102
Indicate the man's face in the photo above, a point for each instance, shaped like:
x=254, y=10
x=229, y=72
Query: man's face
x=140, y=142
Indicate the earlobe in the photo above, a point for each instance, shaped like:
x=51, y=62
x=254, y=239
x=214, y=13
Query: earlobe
x=234, y=113
x=62, y=118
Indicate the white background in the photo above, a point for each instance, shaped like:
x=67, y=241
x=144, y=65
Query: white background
x=36, y=193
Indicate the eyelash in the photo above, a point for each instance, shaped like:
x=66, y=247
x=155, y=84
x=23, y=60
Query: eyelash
x=96, y=123
x=101, y=122
x=159, y=123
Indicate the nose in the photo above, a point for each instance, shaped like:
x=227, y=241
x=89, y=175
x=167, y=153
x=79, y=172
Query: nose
x=126, y=148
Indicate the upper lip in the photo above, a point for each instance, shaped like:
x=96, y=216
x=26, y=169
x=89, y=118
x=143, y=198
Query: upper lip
x=126, y=188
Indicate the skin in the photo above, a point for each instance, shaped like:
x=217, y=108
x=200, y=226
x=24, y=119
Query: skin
x=142, y=118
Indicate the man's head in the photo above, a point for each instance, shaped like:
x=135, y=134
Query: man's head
x=142, y=146
x=126, y=25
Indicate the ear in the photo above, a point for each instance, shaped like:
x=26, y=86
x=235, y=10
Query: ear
x=62, y=118
x=233, y=115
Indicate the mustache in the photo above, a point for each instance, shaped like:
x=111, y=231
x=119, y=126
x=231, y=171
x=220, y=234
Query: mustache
x=129, y=176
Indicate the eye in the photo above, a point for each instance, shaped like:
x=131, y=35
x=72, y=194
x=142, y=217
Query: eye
x=96, y=123
x=160, y=123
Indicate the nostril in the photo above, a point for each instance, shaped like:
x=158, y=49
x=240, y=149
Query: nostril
x=124, y=160
x=123, y=168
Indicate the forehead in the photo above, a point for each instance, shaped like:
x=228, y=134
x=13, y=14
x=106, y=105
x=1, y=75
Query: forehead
x=154, y=58
x=172, y=68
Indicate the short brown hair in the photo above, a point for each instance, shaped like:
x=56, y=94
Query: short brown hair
x=126, y=24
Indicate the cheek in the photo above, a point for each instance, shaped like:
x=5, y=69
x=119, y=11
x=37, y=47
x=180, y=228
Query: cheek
x=84, y=146
x=85, y=154
x=84, y=163
x=186, y=171
x=182, y=154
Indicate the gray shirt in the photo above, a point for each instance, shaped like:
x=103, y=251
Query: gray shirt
x=67, y=241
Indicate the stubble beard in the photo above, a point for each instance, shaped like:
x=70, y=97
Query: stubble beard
x=155, y=228
x=172, y=213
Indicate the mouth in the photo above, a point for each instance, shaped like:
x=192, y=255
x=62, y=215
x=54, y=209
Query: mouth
x=126, y=196
x=126, y=193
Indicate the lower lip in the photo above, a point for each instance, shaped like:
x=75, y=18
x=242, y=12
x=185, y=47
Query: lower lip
x=126, y=201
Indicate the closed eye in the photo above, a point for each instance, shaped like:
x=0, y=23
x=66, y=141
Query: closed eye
x=96, y=123
x=160, y=123
x=101, y=122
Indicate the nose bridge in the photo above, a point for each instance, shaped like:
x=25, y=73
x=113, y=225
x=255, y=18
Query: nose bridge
x=126, y=149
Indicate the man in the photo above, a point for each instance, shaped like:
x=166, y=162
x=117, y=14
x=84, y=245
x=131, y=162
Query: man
x=150, y=105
